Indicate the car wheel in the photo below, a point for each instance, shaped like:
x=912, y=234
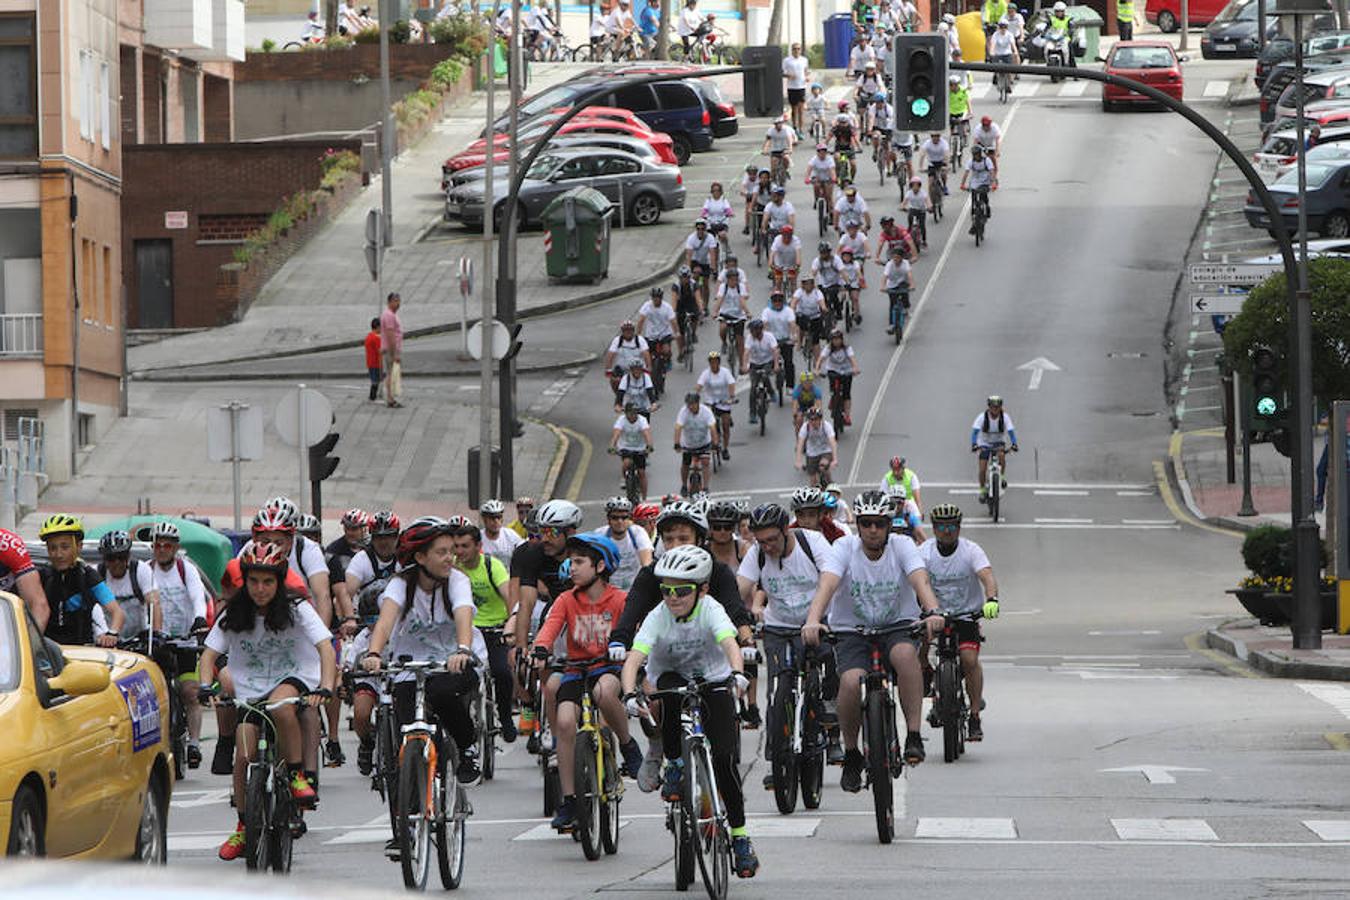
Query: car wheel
x=152, y=836
x=646, y=209
x=27, y=825
x=683, y=149
x=1167, y=21
x=1336, y=225
x=498, y=212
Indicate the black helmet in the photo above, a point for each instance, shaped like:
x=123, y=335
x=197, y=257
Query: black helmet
x=692, y=397
x=723, y=511
x=769, y=515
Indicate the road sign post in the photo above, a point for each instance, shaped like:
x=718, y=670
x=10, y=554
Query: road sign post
x=1234, y=273
x=234, y=434
x=303, y=417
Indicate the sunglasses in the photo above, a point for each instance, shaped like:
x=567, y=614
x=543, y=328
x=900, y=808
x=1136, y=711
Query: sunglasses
x=533, y=535
x=549, y=532
x=678, y=590
x=619, y=517
x=874, y=523
x=165, y=544
x=947, y=528
x=720, y=526
x=117, y=557
x=491, y=515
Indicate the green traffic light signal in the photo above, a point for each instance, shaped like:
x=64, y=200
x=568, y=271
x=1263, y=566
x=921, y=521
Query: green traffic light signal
x=1266, y=406
x=920, y=106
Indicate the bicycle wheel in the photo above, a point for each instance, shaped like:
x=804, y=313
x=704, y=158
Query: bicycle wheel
x=414, y=819
x=632, y=485
x=487, y=730
x=588, y=795
x=935, y=193
x=881, y=163
x=782, y=718
x=257, y=818
x=609, y=803
x=281, y=837
x=451, y=809
x=682, y=828
x=552, y=789
x=711, y=847
x=995, y=493
x=979, y=228
x=878, y=767
x=762, y=402
x=949, y=712
x=811, y=762
x=822, y=220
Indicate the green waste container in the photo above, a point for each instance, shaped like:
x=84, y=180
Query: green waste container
x=576, y=239
x=1089, y=32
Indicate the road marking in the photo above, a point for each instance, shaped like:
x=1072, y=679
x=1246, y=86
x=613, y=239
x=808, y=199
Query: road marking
x=1329, y=829
x=1063, y=521
x=987, y=829
x=181, y=842
x=1073, y=89
x=980, y=90
x=1099, y=675
x=962, y=491
x=545, y=832
x=1334, y=694
x=1043, y=492
x=1156, y=774
x=782, y=827
x=1024, y=89
x=1086, y=526
x=1037, y=367
x=1121, y=633
x=1163, y=830
x=1148, y=522
x=198, y=798
x=1216, y=88
x=362, y=836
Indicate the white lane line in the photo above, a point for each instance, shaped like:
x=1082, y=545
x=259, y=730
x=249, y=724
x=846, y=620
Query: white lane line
x=1216, y=88
x=987, y=829
x=963, y=491
x=544, y=832
x=1073, y=89
x=1334, y=694
x=1134, y=493
x=181, y=842
x=1121, y=633
x=362, y=836
x=1044, y=492
x=782, y=828
x=1063, y=521
x=1163, y=830
x=958, y=231
x=1329, y=829
x=1025, y=89
x=980, y=91
x=1147, y=521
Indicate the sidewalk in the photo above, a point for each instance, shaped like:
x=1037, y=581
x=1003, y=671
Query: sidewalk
x=324, y=298
x=1201, y=469
x=1267, y=649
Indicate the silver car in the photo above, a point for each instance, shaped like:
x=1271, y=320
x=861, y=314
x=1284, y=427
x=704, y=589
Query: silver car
x=640, y=189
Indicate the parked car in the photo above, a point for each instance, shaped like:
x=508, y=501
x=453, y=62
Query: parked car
x=660, y=143
x=1328, y=198
x=1282, y=75
x=1233, y=33
x=1166, y=14
x=1337, y=247
x=642, y=188
x=1281, y=47
x=1323, y=113
x=639, y=148
x=1153, y=63
x=1329, y=84
x=724, y=120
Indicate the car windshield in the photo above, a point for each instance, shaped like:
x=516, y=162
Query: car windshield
x=1328, y=152
x=1142, y=58
x=1317, y=176
x=562, y=95
x=543, y=166
x=1237, y=9
x=9, y=650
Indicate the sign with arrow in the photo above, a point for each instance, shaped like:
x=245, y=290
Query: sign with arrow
x=1217, y=304
x=1240, y=273
x=1156, y=774
x=1037, y=367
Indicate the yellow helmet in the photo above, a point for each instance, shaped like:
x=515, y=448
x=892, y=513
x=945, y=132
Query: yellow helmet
x=62, y=523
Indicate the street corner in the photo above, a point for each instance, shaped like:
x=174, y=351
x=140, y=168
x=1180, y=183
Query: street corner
x=1265, y=646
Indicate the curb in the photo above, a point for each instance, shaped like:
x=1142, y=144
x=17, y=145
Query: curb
x=559, y=457
x=535, y=312
x=168, y=375
x=1175, y=467
x=1272, y=662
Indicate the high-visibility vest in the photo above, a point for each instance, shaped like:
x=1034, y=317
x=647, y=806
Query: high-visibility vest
x=994, y=10
x=1124, y=10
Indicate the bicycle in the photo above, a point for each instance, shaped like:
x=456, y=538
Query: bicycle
x=979, y=212
x=916, y=220
x=732, y=342
x=632, y=477
x=689, y=337
x=822, y=212
x=899, y=306
x=432, y=805
x=959, y=128
x=785, y=375
x=598, y=785
x=778, y=168
x=848, y=306
x=696, y=477
x=837, y=404
x=173, y=656
x=994, y=481
x=1003, y=81
x=660, y=364
x=529, y=678
x=486, y=721
x=880, y=737
x=384, y=759
x=760, y=394
x=950, y=710
x=844, y=165
x=883, y=157
x=935, y=191
x=796, y=724
x=817, y=129
x=757, y=236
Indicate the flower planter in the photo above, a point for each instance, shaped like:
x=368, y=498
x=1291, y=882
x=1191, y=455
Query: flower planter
x=1261, y=604
x=1327, y=611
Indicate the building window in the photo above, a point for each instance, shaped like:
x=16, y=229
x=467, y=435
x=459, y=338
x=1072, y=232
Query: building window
x=108, y=317
x=18, y=87
x=84, y=434
x=105, y=107
x=86, y=99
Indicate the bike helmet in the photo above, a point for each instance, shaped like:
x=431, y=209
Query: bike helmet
x=986, y=121
x=685, y=272
x=751, y=168
x=724, y=511
x=284, y=503
x=887, y=220
x=636, y=364
x=817, y=86
x=846, y=252
x=897, y=461
x=732, y=260
x=700, y=223
x=669, y=499
x=657, y=293
x=976, y=151
x=626, y=325
x=807, y=498
x=266, y=557
x=785, y=231
x=945, y=512
x=879, y=97
x=820, y=147
x=684, y=511
x=777, y=189
x=994, y=400
x=62, y=523
x=618, y=504
x=646, y=512
x=714, y=354
x=596, y=545
x=872, y=503
x=385, y=524
x=419, y=536
x=309, y=525
x=836, y=332
x=114, y=543
x=777, y=297
x=630, y=406
x=355, y=518
x=814, y=414
x=692, y=397
x=954, y=80
x=806, y=377
x=951, y=19
x=689, y=563
x=769, y=515
x=165, y=531
x=843, y=106
x=527, y=502
x=461, y=523
x=824, y=247
x=1060, y=8
x=273, y=518
x=808, y=278
x=756, y=324
x=870, y=64
x=492, y=508
x=559, y=514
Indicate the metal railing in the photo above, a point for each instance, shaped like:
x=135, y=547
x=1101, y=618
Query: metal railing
x=32, y=455
x=20, y=334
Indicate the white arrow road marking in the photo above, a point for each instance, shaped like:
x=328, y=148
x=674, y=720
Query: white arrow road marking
x=1037, y=367
x=198, y=798
x=1156, y=774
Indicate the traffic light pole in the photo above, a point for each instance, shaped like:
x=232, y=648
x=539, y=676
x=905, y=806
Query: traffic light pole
x=1307, y=582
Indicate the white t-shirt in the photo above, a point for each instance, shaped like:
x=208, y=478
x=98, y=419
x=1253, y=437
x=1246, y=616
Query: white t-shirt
x=630, y=544
x=850, y=210
x=503, y=546
x=838, y=361
x=808, y=303
x=778, y=322
x=826, y=271
x=656, y=320
x=689, y=21
x=716, y=386
x=780, y=139
x=953, y=577
x=732, y=299
x=818, y=169
x=618, y=19
x=695, y=428
x=917, y=200
x=936, y=153
x=689, y=646
x=857, y=242
x=701, y=250
x=716, y=211
x=761, y=351
x=986, y=137
x=817, y=439
x=184, y=599
x=873, y=594
x=784, y=254
x=137, y=620
x=790, y=582
x=260, y=659
x=632, y=436
x=627, y=352
x=1002, y=42
x=992, y=436
x=634, y=390
x=740, y=274
x=795, y=68
x=896, y=274
x=427, y=632
x=778, y=214
x=362, y=567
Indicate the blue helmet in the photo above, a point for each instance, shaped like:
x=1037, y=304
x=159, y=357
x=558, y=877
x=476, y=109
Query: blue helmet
x=597, y=544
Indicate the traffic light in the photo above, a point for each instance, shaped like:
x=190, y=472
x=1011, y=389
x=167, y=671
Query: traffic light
x=920, y=80
x=1267, y=397
x=321, y=466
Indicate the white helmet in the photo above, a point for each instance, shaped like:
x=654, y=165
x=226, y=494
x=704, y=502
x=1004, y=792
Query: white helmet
x=1060, y=8
x=559, y=514
x=618, y=504
x=687, y=562
x=165, y=531
x=948, y=19
x=493, y=508
x=684, y=511
x=872, y=503
x=807, y=498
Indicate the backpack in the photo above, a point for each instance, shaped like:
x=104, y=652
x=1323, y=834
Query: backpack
x=802, y=544
x=299, y=557
x=131, y=573
x=496, y=585
x=986, y=422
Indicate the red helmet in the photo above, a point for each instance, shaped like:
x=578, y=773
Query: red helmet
x=843, y=106
x=985, y=121
x=786, y=231
x=265, y=556
x=419, y=536
x=384, y=523
x=896, y=462
x=458, y=522
x=274, y=518
x=355, y=518
x=644, y=512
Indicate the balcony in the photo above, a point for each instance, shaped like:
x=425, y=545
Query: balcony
x=20, y=335
x=178, y=24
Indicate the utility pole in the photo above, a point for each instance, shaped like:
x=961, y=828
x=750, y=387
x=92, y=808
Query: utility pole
x=74, y=334
x=485, y=310
x=386, y=126
x=506, y=369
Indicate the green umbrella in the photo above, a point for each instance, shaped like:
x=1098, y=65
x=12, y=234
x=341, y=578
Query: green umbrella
x=207, y=547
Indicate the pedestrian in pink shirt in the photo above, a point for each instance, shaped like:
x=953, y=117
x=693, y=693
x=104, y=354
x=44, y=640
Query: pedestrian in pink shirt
x=391, y=341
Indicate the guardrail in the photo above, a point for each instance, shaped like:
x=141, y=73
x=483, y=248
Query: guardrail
x=20, y=334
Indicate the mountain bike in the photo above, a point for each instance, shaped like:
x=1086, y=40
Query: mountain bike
x=542, y=740
x=844, y=165
x=660, y=364
x=822, y=214
x=960, y=136
x=1003, y=81
x=795, y=731
x=599, y=784
x=994, y=481
x=761, y=394
x=758, y=239
x=173, y=656
x=432, y=805
x=950, y=711
x=899, y=306
x=384, y=759
x=837, y=404
x=935, y=191
x=785, y=375
x=696, y=477
x=487, y=724
x=880, y=737
x=883, y=158
x=979, y=212
x=731, y=343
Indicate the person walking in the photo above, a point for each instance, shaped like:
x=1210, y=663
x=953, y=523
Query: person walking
x=797, y=74
x=373, y=363
x=391, y=343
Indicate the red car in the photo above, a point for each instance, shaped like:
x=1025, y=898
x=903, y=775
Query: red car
x=1166, y=14
x=1153, y=63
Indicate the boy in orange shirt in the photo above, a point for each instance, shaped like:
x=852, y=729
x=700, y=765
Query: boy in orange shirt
x=373, y=357
x=585, y=615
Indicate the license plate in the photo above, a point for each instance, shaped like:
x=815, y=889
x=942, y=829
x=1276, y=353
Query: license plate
x=1269, y=165
x=1225, y=47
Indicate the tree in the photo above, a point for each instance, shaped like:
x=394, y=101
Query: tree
x=1265, y=320
x=663, y=32
x=776, y=23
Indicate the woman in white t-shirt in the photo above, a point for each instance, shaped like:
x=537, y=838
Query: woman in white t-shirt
x=838, y=364
x=278, y=649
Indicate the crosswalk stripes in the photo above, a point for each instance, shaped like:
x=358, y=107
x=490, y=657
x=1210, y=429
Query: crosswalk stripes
x=1329, y=829
x=1027, y=88
x=1216, y=88
x=1036, y=89
x=1163, y=830
x=1073, y=88
x=989, y=829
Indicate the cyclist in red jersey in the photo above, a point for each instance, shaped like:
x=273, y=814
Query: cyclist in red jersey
x=18, y=574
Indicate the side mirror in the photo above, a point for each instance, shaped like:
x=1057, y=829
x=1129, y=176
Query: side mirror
x=80, y=678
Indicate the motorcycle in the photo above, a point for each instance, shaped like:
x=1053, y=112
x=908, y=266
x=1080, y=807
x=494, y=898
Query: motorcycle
x=1056, y=50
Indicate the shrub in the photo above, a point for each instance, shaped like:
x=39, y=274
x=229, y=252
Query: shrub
x=280, y=220
x=338, y=161
x=400, y=32
x=1268, y=551
x=368, y=36
x=815, y=55
x=268, y=45
x=469, y=36
x=446, y=72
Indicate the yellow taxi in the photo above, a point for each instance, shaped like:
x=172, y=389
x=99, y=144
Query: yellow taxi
x=86, y=767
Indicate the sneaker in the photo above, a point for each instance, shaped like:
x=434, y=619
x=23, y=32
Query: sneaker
x=726, y=454
x=301, y=790
x=566, y=816
x=851, y=780
x=914, y=749
x=933, y=719
x=194, y=756
x=508, y=731
x=391, y=850
x=970, y=230
x=973, y=731
x=633, y=757
x=750, y=718
x=672, y=784
x=649, y=774
x=848, y=420
x=365, y=753
x=946, y=192
x=1003, y=481
x=233, y=848
x=984, y=495
x=834, y=752
x=332, y=754
x=532, y=743
x=222, y=760
x=768, y=781
x=754, y=420
x=468, y=771
x=743, y=855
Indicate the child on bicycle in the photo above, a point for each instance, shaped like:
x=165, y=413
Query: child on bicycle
x=687, y=305
x=851, y=280
x=716, y=211
x=749, y=185
x=815, y=111
x=266, y=633
x=838, y=363
x=585, y=615
x=690, y=636
x=917, y=204
x=897, y=281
